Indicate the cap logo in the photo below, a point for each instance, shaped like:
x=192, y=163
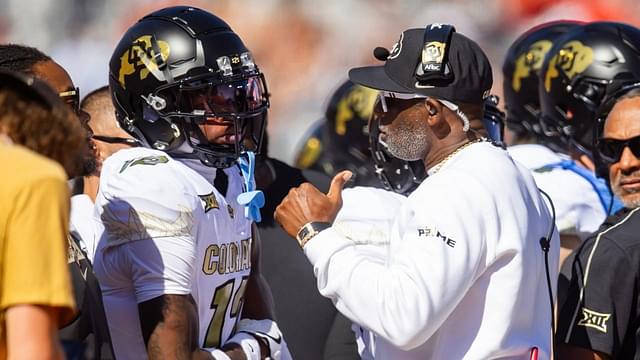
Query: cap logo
x=529, y=62
x=432, y=56
x=396, y=49
x=572, y=59
x=142, y=58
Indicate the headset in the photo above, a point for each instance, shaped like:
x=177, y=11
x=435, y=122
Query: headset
x=434, y=69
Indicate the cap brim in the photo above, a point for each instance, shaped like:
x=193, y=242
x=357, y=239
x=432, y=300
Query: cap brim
x=376, y=78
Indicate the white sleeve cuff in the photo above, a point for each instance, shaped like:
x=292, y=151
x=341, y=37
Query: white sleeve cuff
x=325, y=244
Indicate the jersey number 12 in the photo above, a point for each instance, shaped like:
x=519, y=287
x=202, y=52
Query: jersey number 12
x=219, y=304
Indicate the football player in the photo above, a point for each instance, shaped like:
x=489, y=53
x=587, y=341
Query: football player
x=177, y=259
x=574, y=189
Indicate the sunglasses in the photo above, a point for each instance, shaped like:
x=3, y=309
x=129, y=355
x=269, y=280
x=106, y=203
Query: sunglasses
x=117, y=140
x=610, y=150
x=71, y=98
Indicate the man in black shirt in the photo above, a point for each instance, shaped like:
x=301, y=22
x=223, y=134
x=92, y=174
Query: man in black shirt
x=600, y=318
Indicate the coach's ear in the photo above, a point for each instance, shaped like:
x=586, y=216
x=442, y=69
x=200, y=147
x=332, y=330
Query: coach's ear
x=437, y=119
x=434, y=111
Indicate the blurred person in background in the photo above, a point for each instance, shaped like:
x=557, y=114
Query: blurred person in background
x=599, y=318
x=581, y=201
x=35, y=295
x=340, y=140
x=87, y=335
x=576, y=73
x=108, y=138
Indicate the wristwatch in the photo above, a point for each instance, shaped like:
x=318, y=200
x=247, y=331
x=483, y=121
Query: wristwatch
x=309, y=230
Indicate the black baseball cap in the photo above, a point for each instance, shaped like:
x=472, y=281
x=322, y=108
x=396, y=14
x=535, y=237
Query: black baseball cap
x=466, y=75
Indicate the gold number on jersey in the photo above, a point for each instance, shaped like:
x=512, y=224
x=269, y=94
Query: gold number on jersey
x=219, y=305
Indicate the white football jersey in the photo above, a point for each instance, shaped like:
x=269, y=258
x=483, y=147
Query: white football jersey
x=167, y=230
x=579, y=210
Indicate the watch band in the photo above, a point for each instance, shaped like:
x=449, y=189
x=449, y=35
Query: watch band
x=309, y=230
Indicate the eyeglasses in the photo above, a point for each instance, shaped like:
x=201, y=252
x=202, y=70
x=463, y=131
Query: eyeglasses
x=610, y=150
x=71, y=98
x=385, y=97
x=117, y=140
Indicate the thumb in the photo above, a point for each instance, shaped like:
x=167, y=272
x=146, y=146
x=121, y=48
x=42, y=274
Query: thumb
x=337, y=184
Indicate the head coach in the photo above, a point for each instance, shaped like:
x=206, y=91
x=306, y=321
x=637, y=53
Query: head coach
x=463, y=275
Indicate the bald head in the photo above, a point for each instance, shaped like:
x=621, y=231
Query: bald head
x=103, y=120
x=103, y=123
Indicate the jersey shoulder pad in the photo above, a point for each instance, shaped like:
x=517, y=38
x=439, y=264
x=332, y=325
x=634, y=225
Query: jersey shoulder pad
x=145, y=194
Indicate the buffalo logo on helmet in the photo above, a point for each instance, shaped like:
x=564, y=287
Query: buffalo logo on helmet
x=529, y=62
x=142, y=58
x=359, y=102
x=572, y=59
x=432, y=56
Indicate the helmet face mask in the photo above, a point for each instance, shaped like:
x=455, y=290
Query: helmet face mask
x=239, y=103
x=180, y=72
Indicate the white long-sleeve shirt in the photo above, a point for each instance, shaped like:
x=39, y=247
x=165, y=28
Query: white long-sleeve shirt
x=463, y=276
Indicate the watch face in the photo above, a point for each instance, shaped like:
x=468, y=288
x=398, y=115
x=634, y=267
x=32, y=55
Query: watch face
x=303, y=233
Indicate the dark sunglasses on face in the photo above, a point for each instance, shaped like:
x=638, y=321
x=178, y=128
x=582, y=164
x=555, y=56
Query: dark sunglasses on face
x=611, y=149
x=71, y=98
x=116, y=140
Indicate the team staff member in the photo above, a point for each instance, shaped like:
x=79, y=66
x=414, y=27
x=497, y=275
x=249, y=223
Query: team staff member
x=463, y=274
x=35, y=290
x=600, y=317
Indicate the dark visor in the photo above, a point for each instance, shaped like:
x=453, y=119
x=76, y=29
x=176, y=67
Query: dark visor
x=235, y=97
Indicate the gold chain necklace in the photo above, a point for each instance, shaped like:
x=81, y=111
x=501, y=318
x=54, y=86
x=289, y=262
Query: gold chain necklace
x=439, y=165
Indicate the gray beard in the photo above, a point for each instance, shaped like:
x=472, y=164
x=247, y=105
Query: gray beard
x=629, y=204
x=407, y=143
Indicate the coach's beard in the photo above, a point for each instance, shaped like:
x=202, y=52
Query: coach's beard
x=407, y=142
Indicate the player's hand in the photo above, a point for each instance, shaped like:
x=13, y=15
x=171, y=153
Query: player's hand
x=306, y=204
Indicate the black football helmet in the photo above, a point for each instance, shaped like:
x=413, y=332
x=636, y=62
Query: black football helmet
x=520, y=72
x=181, y=67
x=340, y=140
x=577, y=73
